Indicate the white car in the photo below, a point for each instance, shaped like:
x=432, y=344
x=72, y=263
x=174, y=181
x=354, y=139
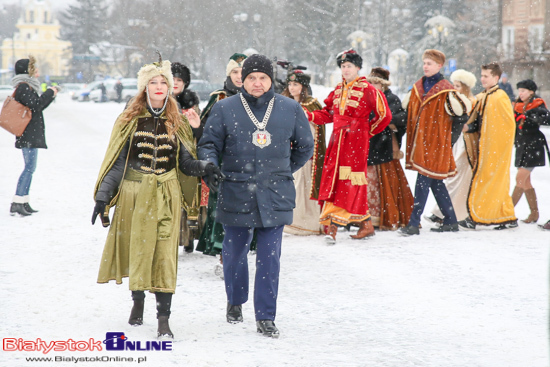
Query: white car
x=5, y=90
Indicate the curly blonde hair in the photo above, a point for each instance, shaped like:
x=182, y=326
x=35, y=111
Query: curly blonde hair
x=138, y=105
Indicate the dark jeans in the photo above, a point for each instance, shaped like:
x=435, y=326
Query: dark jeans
x=24, y=183
x=236, y=245
x=421, y=191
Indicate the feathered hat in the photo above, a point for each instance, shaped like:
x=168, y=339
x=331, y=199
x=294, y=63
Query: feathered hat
x=298, y=76
x=349, y=56
x=235, y=61
x=465, y=77
x=379, y=75
x=149, y=71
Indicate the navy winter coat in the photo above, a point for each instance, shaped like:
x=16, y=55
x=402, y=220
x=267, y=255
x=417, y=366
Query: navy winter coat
x=258, y=189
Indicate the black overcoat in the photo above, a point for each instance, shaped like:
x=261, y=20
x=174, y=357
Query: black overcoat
x=258, y=188
x=34, y=135
x=531, y=145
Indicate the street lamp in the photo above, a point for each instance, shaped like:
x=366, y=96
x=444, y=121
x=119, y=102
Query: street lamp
x=242, y=18
x=439, y=27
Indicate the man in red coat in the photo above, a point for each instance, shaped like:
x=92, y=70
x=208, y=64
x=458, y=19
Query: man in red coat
x=358, y=111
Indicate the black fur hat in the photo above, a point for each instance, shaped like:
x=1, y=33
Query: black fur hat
x=349, y=56
x=299, y=76
x=527, y=84
x=181, y=71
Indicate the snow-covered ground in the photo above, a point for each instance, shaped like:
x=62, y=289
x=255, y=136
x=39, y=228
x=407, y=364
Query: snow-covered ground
x=464, y=299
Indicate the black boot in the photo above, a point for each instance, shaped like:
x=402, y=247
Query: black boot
x=29, y=209
x=267, y=328
x=136, y=315
x=234, y=313
x=164, y=303
x=18, y=208
x=446, y=228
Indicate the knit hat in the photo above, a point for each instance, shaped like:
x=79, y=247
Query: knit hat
x=26, y=66
x=379, y=75
x=435, y=55
x=349, y=56
x=465, y=77
x=181, y=71
x=527, y=84
x=299, y=76
x=149, y=71
x=257, y=63
x=235, y=61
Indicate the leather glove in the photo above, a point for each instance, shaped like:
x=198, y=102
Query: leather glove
x=99, y=209
x=213, y=176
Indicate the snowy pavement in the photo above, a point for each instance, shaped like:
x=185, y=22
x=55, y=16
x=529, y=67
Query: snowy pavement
x=472, y=298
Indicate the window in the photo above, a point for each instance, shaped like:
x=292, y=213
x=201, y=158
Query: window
x=536, y=38
x=31, y=16
x=508, y=40
x=45, y=17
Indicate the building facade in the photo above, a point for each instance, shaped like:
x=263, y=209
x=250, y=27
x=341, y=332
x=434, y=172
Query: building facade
x=525, y=42
x=38, y=35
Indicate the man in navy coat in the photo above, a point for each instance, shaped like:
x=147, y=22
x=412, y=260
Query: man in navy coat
x=259, y=139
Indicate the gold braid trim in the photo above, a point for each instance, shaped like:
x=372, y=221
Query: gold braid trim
x=345, y=172
x=358, y=178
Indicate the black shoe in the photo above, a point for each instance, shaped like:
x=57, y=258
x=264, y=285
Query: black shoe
x=190, y=247
x=434, y=219
x=408, y=231
x=467, y=223
x=507, y=226
x=446, y=228
x=267, y=328
x=18, y=208
x=29, y=209
x=164, y=332
x=136, y=315
x=234, y=313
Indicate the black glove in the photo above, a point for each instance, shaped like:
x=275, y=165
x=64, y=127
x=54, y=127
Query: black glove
x=213, y=177
x=99, y=209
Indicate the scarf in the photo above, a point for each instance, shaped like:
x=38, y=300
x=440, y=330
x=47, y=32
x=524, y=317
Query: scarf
x=229, y=86
x=25, y=78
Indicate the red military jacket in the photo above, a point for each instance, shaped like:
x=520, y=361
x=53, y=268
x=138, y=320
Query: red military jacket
x=358, y=111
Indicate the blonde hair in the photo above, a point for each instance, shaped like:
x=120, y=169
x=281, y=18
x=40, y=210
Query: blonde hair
x=138, y=104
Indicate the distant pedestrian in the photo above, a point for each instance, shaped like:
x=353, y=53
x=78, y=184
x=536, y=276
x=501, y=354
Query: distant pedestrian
x=507, y=87
x=103, y=92
x=531, y=146
x=118, y=89
x=28, y=93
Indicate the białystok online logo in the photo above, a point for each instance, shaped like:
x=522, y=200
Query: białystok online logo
x=113, y=341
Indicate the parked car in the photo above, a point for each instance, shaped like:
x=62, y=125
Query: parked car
x=203, y=88
x=129, y=89
x=71, y=89
x=83, y=95
x=5, y=90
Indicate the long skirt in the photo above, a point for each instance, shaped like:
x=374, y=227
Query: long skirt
x=306, y=214
x=458, y=185
x=142, y=243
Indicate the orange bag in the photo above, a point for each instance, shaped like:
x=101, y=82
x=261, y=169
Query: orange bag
x=14, y=116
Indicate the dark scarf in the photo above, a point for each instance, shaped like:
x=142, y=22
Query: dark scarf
x=230, y=88
x=187, y=99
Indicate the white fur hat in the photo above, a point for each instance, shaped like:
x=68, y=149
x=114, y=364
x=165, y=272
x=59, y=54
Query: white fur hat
x=149, y=71
x=465, y=77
